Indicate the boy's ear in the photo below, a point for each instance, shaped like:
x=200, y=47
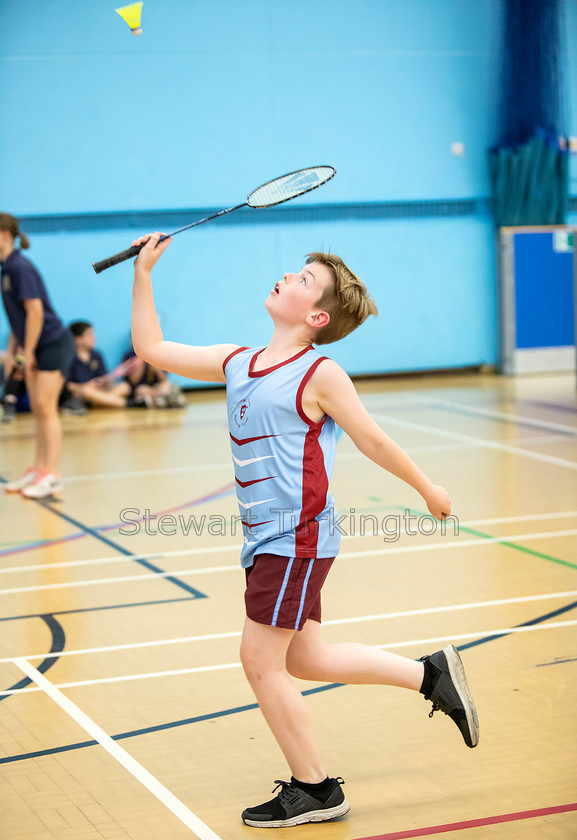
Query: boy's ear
x=318, y=319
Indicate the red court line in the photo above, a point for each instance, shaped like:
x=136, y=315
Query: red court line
x=460, y=826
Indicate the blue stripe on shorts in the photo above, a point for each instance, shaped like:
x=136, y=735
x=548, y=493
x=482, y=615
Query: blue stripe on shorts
x=304, y=592
x=282, y=592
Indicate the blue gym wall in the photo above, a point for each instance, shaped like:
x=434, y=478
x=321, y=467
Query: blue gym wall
x=215, y=98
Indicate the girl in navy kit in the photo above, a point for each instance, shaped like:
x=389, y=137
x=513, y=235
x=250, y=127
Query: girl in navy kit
x=283, y=403
x=48, y=349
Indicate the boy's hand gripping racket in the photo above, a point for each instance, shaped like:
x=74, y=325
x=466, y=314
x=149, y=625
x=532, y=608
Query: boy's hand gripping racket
x=268, y=195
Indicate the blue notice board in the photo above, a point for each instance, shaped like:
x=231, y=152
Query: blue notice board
x=537, y=299
x=544, y=290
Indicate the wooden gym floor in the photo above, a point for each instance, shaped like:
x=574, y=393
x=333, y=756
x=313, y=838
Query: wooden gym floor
x=124, y=712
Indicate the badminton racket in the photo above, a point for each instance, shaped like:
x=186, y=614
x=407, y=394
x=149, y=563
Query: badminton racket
x=125, y=367
x=270, y=194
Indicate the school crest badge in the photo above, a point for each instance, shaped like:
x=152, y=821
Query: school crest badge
x=240, y=412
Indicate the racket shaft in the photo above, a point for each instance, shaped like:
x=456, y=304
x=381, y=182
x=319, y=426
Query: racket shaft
x=117, y=258
x=202, y=221
x=135, y=250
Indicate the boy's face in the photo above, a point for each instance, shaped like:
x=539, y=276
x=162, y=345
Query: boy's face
x=87, y=340
x=293, y=299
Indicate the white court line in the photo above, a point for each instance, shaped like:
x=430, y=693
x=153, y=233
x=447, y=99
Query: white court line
x=123, y=558
x=488, y=412
x=488, y=444
x=125, y=579
x=76, y=479
x=178, y=808
x=341, y=456
x=529, y=517
x=387, y=550
x=231, y=665
x=522, y=599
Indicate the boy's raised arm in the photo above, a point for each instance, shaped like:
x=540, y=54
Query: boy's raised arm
x=204, y=363
x=337, y=397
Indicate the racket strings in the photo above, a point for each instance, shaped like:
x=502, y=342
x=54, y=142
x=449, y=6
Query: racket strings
x=290, y=186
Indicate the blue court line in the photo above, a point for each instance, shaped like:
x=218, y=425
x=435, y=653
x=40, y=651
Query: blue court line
x=159, y=728
x=539, y=620
x=94, y=533
x=238, y=709
x=146, y=563
x=23, y=546
x=556, y=662
x=105, y=607
x=58, y=642
x=58, y=635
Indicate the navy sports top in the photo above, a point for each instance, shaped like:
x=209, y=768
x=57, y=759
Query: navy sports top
x=21, y=281
x=81, y=371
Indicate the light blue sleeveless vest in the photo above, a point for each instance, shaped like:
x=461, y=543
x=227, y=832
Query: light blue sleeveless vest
x=282, y=460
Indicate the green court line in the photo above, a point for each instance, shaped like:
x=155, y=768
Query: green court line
x=513, y=545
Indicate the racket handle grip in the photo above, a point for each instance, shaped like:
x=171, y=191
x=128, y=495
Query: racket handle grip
x=117, y=258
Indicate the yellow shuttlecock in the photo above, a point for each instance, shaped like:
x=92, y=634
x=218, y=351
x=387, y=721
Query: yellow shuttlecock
x=131, y=14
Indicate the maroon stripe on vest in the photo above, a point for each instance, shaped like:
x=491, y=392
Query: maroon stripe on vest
x=315, y=482
x=255, y=373
x=242, y=441
x=254, y=481
x=229, y=357
x=299, y=400
x=315, y=486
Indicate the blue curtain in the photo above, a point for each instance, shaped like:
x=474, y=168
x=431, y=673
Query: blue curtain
x=529, y=165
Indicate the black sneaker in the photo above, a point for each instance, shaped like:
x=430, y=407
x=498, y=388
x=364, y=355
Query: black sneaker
x=9, y=412
x=73, y=405
x=293, y=806
x=140, y=402
x=450, y=693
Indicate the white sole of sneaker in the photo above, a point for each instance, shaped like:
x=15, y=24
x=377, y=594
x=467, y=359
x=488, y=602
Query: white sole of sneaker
x=309, y=817
x=57, y=488
x=18, y=487
x=457, y=672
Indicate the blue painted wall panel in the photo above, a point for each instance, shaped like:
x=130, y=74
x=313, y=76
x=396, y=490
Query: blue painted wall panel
x=211, y=285
x=217, y=97
x=214, y=98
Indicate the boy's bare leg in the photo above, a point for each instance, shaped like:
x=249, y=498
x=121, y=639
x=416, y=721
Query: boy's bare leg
x=263, y=656
x=309, y=658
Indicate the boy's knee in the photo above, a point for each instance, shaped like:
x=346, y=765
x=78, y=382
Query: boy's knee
x=257, y=662
x=249, y=657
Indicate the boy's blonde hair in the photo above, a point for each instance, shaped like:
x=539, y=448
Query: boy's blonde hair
x=346, y=300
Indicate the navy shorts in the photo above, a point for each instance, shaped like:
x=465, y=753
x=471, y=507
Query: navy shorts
x=285, y=591
x=57, y=354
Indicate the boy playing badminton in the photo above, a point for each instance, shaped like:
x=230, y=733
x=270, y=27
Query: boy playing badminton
x=283, y=402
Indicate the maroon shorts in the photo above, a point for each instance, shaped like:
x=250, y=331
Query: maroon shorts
x=285, y=591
